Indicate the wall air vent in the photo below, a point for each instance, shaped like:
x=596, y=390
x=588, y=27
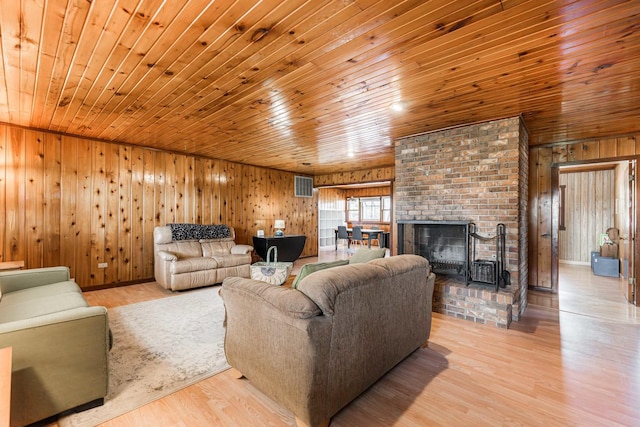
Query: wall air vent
x=303, y=186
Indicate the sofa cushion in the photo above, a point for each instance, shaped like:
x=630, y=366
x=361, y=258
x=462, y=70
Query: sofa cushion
x=366, y=255
x=307, y=269
x=184, y=249
x=212, y=249
x=25, y=304
x=192, y=264
x=232, y=260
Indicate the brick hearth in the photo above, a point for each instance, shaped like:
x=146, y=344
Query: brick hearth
x=477, y=303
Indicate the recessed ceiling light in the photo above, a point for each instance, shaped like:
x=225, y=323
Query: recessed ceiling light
x=398, y=106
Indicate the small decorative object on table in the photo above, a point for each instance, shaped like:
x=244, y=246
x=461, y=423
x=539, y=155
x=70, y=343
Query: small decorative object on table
x=275, y=272
x=279, y=225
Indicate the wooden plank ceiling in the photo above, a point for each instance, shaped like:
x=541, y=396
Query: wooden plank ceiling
x=307, y=86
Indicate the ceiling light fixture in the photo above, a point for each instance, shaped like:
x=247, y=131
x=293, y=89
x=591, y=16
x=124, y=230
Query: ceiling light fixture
x=398, y=106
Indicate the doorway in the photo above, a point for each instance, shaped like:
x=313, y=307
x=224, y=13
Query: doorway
x=592, y=199
x=333, y=209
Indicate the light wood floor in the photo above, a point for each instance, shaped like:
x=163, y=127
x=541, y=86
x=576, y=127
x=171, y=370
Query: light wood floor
x=572, y=362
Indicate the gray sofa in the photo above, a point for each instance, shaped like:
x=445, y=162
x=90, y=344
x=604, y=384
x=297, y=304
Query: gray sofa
x=60, y=344
x=185, y=260
x=315, y=348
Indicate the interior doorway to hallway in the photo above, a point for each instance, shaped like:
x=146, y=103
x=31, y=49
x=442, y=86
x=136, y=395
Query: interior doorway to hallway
x=593, y=198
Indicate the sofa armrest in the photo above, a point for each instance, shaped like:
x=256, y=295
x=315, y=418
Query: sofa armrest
x=241, y=249
x=167, y=256
x=16, y=280
x=59, y=361
x=284, y=355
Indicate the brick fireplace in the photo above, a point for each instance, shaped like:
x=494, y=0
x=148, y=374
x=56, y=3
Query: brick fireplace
x=470, y=174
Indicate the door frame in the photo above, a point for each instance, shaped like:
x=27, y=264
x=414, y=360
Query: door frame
x=634, y=209
x=633, y=285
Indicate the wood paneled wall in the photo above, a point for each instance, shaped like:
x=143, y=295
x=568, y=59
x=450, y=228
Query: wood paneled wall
x=589, y=211
x=368, y=191
x=331, y=199
x=79, y=202
x=355, y=177
x=543, y=197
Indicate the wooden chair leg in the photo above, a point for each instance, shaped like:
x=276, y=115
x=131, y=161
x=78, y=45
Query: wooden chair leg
x=300, y=423
x=235, y=373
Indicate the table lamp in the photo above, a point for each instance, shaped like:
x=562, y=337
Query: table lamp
x=279, y=226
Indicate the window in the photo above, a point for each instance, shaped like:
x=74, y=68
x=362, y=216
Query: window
x=353, y=209
x=386, y=209
x=369, y=209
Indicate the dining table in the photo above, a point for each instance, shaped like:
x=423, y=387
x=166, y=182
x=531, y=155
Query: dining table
x=370, y=233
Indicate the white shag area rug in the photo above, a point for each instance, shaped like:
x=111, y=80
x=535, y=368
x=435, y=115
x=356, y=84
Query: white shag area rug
x=159, y=347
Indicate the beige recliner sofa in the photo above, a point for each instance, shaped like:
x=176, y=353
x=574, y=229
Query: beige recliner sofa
x=60, y=344
x=193, y=255
x=315, y=348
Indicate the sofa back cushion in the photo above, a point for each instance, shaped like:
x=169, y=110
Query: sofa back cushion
x=162, y=235
x=401, y=264
x=240, y=294
x=182, y=249
x=328, y=286
x=35, y=302
x=325, y=287
x=216, y=248
x=15, y=280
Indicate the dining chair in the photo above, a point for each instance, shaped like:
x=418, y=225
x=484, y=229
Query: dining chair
x=374, y=237
x=356, y=235
x=343, y=234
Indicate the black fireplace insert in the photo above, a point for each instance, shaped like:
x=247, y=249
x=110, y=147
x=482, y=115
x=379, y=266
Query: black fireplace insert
x=451, y=248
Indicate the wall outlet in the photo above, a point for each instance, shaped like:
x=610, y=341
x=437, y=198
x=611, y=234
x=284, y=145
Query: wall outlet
x=102, y=265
